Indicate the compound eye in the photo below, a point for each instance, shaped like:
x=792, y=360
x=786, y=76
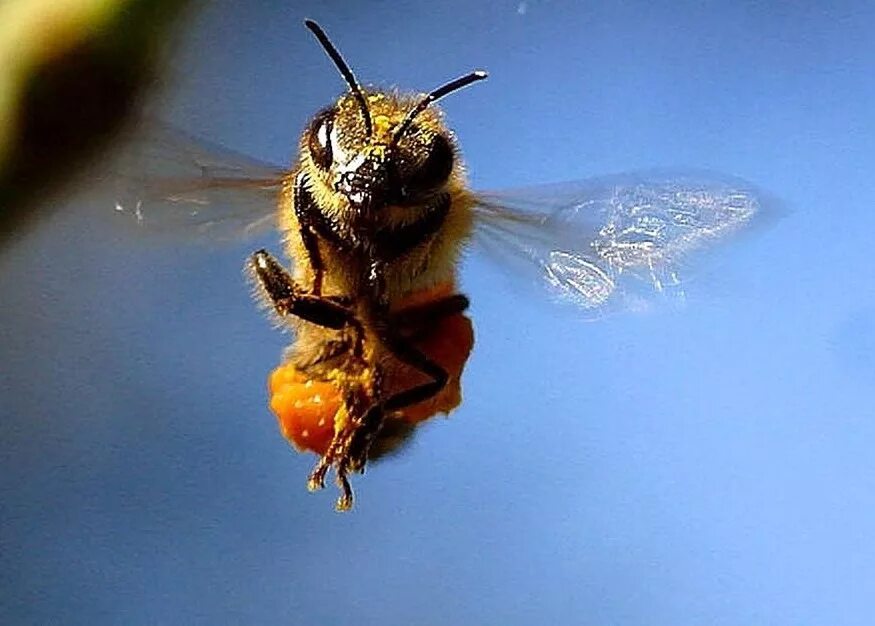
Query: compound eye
x=436, y=168
x=319, y=139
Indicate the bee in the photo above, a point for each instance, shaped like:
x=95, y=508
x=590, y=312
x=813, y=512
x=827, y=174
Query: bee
x=375, y=214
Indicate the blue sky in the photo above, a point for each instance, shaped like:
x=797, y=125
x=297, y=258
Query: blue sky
x=708, y=465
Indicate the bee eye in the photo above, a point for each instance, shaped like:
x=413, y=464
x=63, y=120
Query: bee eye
x=319, y=139
x=436, y=168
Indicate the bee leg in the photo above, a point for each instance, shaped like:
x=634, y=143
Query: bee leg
x=418, y=320
x=415, y=321
x=362, y=437
x=349, y=448
x=354, y=398
x=355, y=446
x=304, y=211
x=348, y=451
x=405, y=352
x=288, y=299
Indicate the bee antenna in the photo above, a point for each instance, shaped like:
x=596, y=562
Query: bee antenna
x=354, y=86
x=437, y=94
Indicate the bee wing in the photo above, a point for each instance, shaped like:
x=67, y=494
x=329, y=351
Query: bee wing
x=175, y=184
x=618, y=242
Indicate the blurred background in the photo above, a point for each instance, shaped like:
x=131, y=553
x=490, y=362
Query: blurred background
x=709, y=465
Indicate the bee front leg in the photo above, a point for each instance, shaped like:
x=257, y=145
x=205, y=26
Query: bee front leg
x=305, y=208
x=287, y=298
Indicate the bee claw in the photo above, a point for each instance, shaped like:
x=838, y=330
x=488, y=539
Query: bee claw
x=340, y=458
x=344, y=503
x=346, y=498
x=316, y=481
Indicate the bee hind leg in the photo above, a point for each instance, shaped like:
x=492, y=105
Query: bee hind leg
x=403, y=327
x=348, y=451
x=404, y=351
x=415, y=321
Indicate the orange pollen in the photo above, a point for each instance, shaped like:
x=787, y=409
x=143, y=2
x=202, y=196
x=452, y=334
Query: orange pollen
x=306, y=408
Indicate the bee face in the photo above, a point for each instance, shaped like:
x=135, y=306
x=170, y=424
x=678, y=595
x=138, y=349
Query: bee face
x=381, y=163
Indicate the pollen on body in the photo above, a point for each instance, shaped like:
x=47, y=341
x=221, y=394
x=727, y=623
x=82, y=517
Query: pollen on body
x=382, y=124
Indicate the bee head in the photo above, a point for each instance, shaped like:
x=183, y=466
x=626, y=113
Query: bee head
x=376, y=148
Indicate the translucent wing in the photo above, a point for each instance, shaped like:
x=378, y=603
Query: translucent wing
x=176, y=184
x=618, y=242
x=602, y=244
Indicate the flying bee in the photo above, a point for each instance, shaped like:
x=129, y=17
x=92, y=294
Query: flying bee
x=374, y=215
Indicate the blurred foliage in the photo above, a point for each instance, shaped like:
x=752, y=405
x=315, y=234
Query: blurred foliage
x=70, y=73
